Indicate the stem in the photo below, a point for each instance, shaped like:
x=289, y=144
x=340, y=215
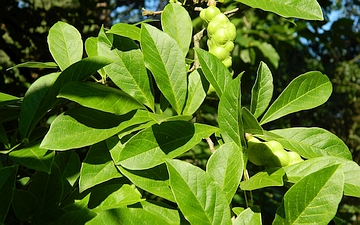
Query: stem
x=150, y=13
x=197, y=37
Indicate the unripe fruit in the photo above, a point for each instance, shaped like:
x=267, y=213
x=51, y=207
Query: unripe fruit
x=221, y=20
x=231, y=29
x=219, y=52
x=209, y=13
x=294, y=158
x=221, y=37
x=228, y=61
x=229, y=46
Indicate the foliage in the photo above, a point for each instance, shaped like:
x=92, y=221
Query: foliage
x=125, y=148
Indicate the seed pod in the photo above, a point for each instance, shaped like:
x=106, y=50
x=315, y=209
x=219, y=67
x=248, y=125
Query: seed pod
x=219, y=52
x=294, y=158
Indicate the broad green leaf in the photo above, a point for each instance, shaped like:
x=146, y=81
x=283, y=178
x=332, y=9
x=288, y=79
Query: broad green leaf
x=6, y=97
x=69, y=165
x=176, y=22
x=126, y=30
x=154, y=180
x=172, y=216
x=302, y=9
x=196, y=92
x=34, y=157
x=266, y=178
x=306, y=91
x=262, y=90
x=97, y=167
x=75, y=217
x=65, y=44
x=313, y=199
x=91, y=47
x=198, y=196
x=3, y=136
x=39, y=99
x=250, y=123
x=160, y=142
x=214, y=70
x=51, y=65
x=100, y=97
x=81, y=127
x=249, y=216
x=123, y=196
x=226, y=166
x=312, y=142
x=7, y=186
x=128, y=72
x=230, y=120
x=24, y=204
x=350, y=169
x=166, y=61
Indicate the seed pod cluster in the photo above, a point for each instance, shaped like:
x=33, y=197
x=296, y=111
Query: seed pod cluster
x=221, y=33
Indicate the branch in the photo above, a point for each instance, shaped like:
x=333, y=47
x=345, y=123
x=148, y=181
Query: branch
x=150, y=13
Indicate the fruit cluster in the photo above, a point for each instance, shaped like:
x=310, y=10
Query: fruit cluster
x=270, y=154
x=221, y=33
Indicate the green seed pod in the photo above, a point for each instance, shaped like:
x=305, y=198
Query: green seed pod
x=221, y=20
x=294, y=157
x=221, y=36
x=229, y=46
x=209, y=13
x=228, y=61
x=231, y=29
x=219, y=52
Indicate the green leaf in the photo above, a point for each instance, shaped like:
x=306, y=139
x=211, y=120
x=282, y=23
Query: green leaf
x=266, y=178
x=172, y=216
x=312, y=142
x=226, y=166
x=154, y=180
x=198, y=196
x=34, y=157
x=3, y=136
x=306, y=91
x=91, y=46
x=6, y=99
x=250, y=123
x=7, y=186
x=214, y=70
x=302, y=9
x=249, y=216
x=76, y=217
x=125, y=30
x=313, y=199
x=166, y=61
x=160, y=142
x=128, y=72
x=268, y=51
x=97, y=167
x=69, y=165
x=230, y=121
x=65, y=44
x=176, y=22
x=81, y=127
x=24, y=204
x=350, y=169
x=262, y=90
x=51, y=65
x=196, y=92
x=100, y=97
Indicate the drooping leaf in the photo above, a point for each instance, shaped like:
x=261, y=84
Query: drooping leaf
x=214, y=70
x=7, y=186
x=97, y=167
x=306, y=91
x=266, y=178
x=166, y=61
x=176, y=22
x=125, y=30
x=249, y=216
x=34, y=157
x=160, y=142
x=312, y=142
x=230, y=120
x=226, y=166
x=65, y=44
x=81, y=127
x=51, y=65
x=250, y=123
x=198, y=196
x=303, y=9
x=262, y=90
x=318, y=204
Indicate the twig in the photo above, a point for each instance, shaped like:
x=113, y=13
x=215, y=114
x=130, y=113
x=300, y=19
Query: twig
x=211, y=144
x=197, y=37
x=150, y=13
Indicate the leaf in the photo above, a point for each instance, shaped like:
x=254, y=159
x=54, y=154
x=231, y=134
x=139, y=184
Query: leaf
x=125, y=30
x=166, y=61
x=7, y=186
x=154, y=180
x=97, y=167
x=69, y=165
x=196, y=93
x=226, y=166
x=198, y=196
x=262, y=90
x=6, y=99
x=302, y=9
x=250, y=123
x=128, y=72
x=81, y=127
x=230, y=121
x=312, y=142
x=306, y=91
x=350, y=169
x=214, y=70
x=51, y=65
x=176, y=22
x=268, y=178
x=34, y=157
x=313, y=199
x=268, y=51
x=3, y=136
x=24, y=205
x=250, y=215
x=160, y=142
x=172, y=216
x=65, y=44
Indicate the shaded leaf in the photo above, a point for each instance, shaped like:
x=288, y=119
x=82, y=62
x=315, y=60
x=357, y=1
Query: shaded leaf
x=24, y=204
x=51, y=65
x=125, y=30
x=250, y=123
x=269, y=177
x=7, y=186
